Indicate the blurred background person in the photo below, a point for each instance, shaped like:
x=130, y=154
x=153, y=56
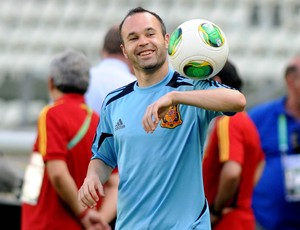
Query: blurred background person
x=62, y=151
x=232, y=163
x=276, y=201
x=112, y=72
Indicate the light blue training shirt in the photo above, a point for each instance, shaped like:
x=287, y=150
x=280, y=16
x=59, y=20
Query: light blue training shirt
x=160, y=173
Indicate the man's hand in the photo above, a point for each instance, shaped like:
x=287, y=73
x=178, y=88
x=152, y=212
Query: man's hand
x=215, y=218
x=155, y=112
x=93, y=221
x=88, y=194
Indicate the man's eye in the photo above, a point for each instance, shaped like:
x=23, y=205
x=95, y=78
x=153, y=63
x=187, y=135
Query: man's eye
x=132, y=38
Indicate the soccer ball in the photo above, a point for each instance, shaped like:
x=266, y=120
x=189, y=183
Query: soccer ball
x=198, y=49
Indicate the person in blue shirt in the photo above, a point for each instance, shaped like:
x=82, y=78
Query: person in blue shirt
x=278, y=123
x=154, y=131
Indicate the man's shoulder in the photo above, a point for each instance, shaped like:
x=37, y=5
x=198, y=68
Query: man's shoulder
x=119, y=93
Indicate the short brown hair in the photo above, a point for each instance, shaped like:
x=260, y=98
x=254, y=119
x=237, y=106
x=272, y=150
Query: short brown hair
x=112, y=41
x=142, y=10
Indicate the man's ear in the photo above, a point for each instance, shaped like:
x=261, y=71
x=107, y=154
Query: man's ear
x=167, y=39
x=51, y=85
x=124, y=51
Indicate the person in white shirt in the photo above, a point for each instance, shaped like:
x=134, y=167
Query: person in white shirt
x=112, y=72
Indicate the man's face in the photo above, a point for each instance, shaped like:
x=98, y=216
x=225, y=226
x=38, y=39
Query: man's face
x=144, y=44
x=296, y=83
x=293, y=80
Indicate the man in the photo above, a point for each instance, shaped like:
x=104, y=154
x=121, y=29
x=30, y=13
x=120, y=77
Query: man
x=61, y=153
x=276, y=198
x=154, y=130
x=111, y=73
x=233, y=160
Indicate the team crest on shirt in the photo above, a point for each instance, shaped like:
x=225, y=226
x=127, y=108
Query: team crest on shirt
x=172, y=119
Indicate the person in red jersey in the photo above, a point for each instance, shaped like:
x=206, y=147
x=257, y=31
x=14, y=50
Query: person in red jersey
x=232, y=164
x=62, y=152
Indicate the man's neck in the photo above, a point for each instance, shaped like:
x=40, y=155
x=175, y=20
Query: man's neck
x=148, y=79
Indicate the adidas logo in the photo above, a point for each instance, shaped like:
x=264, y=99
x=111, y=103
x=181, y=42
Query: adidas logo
x=119, y=125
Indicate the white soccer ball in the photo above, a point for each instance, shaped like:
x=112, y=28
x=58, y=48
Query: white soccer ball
x=198, y=49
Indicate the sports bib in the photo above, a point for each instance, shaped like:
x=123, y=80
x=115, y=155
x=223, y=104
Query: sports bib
x=291, y=168
x=290, y=163
x=33, y=179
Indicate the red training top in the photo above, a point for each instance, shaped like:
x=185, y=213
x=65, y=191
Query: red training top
x=233, y=138
x=57, y=125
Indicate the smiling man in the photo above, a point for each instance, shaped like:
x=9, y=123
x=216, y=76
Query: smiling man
x=154, y=130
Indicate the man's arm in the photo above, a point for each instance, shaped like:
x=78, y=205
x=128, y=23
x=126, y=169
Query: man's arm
x=258, y=171
x=97, y=175
x=64, y=184
x=220, y=99
x=66, y=189
x=228, y=183
x=108, y=208
x=227, y=188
